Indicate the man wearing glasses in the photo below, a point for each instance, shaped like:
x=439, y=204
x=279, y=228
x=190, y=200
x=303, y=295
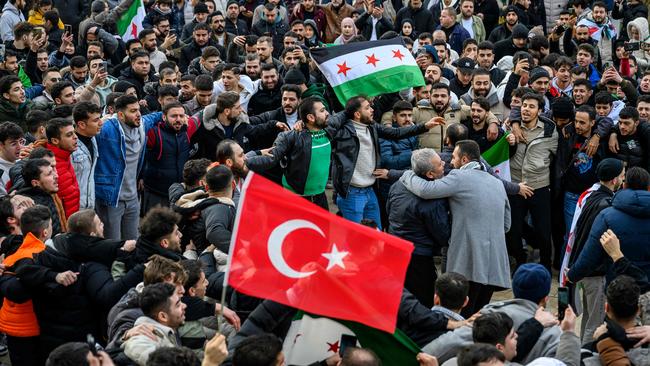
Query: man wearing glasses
x=11, y=142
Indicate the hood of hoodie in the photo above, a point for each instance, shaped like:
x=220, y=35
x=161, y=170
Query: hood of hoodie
x=211, y=122
x=11, y=8
x=642, y=25
x=633, y=202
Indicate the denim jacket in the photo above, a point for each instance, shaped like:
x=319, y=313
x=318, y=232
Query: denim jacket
x=84, y=169
x=111, y=146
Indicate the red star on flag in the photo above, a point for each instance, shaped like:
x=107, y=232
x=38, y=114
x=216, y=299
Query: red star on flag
x=334, y=347
x=343, y=69
x=398, y=54
x=372, y=60
x=134, y=30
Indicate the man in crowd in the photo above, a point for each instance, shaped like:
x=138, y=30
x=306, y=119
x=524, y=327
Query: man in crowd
x=117, y=170
x=470, y=188
x=422, y=222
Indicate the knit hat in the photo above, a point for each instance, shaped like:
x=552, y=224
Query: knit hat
x=294, y=76
x=311, y=23
x=511, y=9
x=536, y=73
x=609, y=169
x=519, y=31
x=531, y=282
x=98, y=6
x=562, y=108
x=201, y=8
x=230, y=2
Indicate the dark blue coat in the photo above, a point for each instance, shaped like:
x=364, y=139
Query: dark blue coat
x=629, y=219
x=426, y=223
x=167, y=152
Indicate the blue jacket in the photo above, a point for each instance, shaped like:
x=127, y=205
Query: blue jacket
x=111, y=146
x=629, y=219
x=457, y=37
x=396, y=154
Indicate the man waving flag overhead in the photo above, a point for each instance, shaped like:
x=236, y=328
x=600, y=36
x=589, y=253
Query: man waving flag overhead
x=368, y=68
x=287, y=249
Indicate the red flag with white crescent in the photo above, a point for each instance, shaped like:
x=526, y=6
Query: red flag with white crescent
x=289, y=250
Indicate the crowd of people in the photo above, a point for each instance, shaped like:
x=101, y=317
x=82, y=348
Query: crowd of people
x=122, y=164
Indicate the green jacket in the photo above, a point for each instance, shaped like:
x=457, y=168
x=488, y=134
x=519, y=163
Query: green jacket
x=477, y=27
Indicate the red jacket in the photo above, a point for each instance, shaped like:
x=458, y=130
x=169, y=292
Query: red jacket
x=68, y=185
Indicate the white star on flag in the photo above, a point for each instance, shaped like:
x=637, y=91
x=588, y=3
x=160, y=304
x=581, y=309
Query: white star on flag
x=335, y=258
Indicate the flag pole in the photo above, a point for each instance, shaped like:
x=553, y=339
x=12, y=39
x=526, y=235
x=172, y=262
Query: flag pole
x=233, y=240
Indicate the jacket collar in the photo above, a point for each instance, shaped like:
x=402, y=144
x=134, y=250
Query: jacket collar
x=31, y=245
x=58, y=152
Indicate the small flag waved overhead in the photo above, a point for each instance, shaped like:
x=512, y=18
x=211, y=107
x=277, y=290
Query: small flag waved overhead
x=313, y=339
x=498, y=156
x=130, y=23
x=368, y=68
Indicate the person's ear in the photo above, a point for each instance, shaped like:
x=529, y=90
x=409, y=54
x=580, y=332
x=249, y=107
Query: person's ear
x=500, y=347
x=162, y=316
x=430, y=175
x=164, y=243
x=465, y=302
x=436, y=299
x=191, y=292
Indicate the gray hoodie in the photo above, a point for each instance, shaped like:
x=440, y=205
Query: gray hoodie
x=10, y=17
x=447, y=346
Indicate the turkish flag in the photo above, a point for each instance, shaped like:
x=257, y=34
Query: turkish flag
x=289, y=250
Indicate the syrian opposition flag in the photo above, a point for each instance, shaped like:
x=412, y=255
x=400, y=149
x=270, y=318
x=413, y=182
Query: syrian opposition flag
x=130, y=23
x=313, y=339
x=498, y=156
x=289, y=250
x=572, y=233
x=368, y=68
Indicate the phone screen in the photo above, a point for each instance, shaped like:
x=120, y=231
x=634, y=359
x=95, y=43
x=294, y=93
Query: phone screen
x=347, y=341
x=562, y=301
x=68, y=28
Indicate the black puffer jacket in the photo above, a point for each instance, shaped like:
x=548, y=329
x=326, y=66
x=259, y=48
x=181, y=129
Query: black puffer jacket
x=211, y=133
x=137, y=81
x=265, y=99
x=68, y=313
x=41, y=198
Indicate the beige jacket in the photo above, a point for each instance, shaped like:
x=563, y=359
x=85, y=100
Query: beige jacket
x=138, y=348
x=455, y=113
x=532, y=161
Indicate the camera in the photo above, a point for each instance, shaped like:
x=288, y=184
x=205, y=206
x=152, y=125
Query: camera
x=632, y=46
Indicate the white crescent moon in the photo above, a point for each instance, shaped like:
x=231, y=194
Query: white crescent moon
x=276, y=239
